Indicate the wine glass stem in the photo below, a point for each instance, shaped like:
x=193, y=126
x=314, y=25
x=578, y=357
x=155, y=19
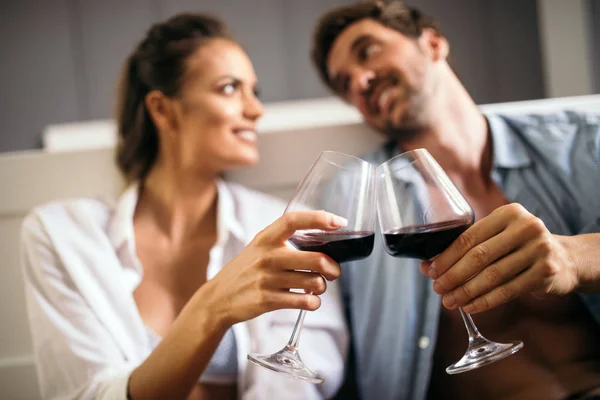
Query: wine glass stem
x=470, y=325
x=295, y=338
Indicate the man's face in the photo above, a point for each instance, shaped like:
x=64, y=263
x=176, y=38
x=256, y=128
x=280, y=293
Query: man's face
x=391, y=78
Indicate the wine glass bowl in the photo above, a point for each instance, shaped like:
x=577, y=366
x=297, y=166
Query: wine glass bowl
x=420, y=214
x=345, y=186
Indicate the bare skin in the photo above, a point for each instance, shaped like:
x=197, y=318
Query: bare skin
x=405, y=88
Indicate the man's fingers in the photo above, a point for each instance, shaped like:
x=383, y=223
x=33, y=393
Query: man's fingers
x=476, y=260
x=481, y=231
x=489, y=278
x=526, y=282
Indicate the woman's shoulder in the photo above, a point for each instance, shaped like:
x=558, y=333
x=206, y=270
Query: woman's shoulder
x=69, y=217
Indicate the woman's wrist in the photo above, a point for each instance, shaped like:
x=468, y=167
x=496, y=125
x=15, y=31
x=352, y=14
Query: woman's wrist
x=208, y=311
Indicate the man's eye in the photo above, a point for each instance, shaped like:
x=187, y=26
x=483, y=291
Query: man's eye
x=366, y=52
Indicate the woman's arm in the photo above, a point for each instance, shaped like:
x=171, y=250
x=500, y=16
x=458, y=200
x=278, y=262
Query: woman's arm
x=77, y=357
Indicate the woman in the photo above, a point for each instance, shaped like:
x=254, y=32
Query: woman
x=132, y=301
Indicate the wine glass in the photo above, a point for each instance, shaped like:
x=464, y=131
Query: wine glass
x=421, y=213
x=343, y=185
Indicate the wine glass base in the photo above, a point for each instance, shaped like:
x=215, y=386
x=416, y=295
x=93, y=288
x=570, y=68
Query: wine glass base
x=288, y=362
x=483, y=352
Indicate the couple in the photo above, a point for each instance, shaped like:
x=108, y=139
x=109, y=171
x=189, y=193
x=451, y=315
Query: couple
x=164, y=294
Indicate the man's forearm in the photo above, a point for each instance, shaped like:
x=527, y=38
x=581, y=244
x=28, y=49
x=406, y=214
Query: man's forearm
x=584, y=250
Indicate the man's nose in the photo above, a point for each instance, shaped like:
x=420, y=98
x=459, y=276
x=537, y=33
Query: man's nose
x=360, y=81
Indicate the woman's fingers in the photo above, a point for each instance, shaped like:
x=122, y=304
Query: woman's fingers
x=270, y=300
x=309, y=282
x=285, y=226
x=292, y=260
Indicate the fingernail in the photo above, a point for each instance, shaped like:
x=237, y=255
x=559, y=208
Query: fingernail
x=432, y=273
x=469, y=308
x=449, y=300
x=437, y=288
x=338, y=221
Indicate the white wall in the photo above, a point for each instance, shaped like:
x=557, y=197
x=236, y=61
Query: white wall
x=567, y=48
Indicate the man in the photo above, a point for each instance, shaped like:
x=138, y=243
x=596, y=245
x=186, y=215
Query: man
x=532, y=255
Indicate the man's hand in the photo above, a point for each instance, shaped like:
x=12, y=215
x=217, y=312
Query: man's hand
x=502, y=256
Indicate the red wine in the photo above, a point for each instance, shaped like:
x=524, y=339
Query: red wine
x=424, y=241
x=340, y=246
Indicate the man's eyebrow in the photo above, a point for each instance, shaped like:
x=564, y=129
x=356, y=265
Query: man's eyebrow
x=359, y=42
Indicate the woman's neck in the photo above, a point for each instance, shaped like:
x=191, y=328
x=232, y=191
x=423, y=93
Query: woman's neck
x=180, y=204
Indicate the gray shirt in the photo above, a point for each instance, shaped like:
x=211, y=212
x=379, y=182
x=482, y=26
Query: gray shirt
x=550, y=164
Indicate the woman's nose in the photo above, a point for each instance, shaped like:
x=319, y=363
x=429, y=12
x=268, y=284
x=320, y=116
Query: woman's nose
x=253, y=108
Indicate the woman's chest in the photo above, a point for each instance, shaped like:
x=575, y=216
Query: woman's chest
x=170, y=278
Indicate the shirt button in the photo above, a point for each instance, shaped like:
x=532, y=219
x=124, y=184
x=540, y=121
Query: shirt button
x=424, y=342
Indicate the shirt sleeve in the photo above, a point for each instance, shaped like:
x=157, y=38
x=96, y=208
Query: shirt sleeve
x=585, y=171
x=76, y=358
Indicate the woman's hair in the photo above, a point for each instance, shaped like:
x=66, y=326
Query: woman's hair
x=158, y=62
x=393, y=14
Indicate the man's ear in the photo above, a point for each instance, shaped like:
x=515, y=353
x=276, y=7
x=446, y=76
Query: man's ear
x=435, y=44
x=161, y=111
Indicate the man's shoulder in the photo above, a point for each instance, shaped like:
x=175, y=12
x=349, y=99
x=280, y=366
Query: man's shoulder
x=555, y=125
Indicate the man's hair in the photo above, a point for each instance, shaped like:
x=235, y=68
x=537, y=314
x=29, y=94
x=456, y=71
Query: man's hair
x=393, y=14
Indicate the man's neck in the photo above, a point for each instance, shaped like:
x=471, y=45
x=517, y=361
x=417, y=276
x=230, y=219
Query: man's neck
x=457, y=136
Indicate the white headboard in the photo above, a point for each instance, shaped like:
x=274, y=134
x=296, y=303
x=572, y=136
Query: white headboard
x=78, y=161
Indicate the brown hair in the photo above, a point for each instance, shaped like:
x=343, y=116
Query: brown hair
x=393, y=14
x=156, y=63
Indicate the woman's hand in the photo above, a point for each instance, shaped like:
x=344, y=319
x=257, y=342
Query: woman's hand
x=502, y=256
x=259, y=279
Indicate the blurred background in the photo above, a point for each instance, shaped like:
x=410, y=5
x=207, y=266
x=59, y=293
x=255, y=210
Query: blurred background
x=60, y=59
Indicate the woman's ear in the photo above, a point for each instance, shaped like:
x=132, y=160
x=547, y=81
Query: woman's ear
x=435, y=43
x=161, y=110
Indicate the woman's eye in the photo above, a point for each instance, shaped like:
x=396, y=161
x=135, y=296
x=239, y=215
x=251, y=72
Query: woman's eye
x=230, y=88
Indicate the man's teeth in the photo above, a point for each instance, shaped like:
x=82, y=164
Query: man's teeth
x=247, y=135
x=383, y=98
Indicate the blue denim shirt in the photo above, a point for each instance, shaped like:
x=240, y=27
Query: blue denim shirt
x=548, y=163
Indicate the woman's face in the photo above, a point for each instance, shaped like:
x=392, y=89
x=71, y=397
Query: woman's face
x=212, y=121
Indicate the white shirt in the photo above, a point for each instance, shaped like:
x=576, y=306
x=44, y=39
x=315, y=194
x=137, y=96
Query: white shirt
x=81, y=269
